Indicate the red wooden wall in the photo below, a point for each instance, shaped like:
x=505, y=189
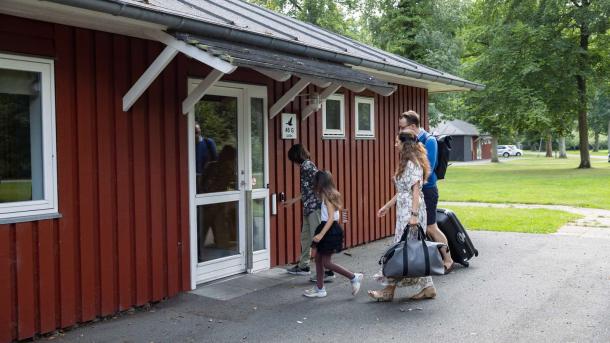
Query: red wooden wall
x=123, y=239
x=362, y=168
x=122, y=184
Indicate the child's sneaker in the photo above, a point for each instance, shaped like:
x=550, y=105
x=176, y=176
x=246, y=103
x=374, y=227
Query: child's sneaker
x=315, y=292
x=296, y=270
x=356, y=282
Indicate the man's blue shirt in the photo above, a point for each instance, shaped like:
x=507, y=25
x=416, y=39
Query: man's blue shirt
x=432, y=148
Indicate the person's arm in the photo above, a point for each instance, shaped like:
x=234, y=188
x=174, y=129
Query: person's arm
x=331, y=211
x=292, y=201
x=432, y=149
x=414, y=216
x=385, y=208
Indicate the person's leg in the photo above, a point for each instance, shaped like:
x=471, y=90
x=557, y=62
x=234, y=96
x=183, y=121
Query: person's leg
x=307, y=233
x=320, y=261
x=428, y=291
x=329, y=265
x=431, y=200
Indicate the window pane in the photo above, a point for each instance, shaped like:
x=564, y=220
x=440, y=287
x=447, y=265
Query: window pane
x=258, y=143
x=364, y=117
x=216, y=144
x=258, y=235
x=333, y=115
x=217, y=231
x=21, y=161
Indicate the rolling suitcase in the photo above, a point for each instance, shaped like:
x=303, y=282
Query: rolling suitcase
x=460, y=245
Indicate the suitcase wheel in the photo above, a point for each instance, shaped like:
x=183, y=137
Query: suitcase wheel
x=476, y=252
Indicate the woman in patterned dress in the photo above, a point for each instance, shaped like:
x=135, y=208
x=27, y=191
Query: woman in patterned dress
x=412, y=172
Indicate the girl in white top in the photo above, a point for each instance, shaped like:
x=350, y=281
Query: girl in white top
x=328, y=237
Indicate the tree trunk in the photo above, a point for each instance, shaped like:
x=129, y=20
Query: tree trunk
x=583, y=127
x=549, y=146
x=608, y=136
x=596, y=142
x=562, y=147
x=494, y=149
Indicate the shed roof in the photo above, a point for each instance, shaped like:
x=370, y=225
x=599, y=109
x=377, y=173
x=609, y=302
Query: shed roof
x=244, y=16
x=456, y=128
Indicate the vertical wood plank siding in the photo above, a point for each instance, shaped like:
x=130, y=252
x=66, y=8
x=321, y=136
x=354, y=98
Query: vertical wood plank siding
x=362, y=167
x=123, y=239
x=123, y=192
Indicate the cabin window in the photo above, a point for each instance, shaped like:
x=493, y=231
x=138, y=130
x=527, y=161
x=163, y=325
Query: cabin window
x=333, y=117
x=28, y=185
x=365, y=117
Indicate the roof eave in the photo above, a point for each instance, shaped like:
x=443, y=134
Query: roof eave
x=174, y=22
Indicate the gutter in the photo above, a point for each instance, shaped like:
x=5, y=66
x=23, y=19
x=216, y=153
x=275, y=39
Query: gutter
x=177, y=23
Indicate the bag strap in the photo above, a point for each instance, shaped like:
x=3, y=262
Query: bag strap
x=405, y=258
x=422, y=236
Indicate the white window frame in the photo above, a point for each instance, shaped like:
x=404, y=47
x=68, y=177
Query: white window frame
x=365, y=133
x=332, y=133
x=48, y=206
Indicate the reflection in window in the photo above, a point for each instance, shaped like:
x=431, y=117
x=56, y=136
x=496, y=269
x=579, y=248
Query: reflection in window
x=257, y=128
x=332, y=116
x=21, y=156
x=217, y=231
x=365, y=126
x=216, y=144
x=258, y=234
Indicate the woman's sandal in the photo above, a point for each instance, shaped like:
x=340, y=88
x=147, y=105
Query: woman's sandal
x=381, y=295
x=450, y=269
x=426, y=293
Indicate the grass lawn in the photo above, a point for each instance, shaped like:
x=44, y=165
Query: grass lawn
x=530, y=180
x=512, y=219
x=15, y=191
x=593, y=153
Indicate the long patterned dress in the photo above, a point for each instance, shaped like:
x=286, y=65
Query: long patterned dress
x=404, y=183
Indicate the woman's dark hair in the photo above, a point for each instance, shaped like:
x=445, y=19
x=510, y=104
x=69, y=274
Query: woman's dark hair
x=298, y=154
x=324, y=187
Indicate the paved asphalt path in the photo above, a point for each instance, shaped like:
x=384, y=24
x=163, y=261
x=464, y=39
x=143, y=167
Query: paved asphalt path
x=522, y=288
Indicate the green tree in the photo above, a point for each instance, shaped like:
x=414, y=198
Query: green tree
x=336, y=16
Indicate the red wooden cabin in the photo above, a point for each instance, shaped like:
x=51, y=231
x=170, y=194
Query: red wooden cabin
x=108, y=199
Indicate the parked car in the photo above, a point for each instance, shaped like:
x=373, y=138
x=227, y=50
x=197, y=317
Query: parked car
x=509, y=150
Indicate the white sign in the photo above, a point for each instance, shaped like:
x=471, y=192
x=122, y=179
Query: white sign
x=289, y=126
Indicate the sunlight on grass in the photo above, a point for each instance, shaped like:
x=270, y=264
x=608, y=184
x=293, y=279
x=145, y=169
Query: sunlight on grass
x=530, y=180
x=513, y=219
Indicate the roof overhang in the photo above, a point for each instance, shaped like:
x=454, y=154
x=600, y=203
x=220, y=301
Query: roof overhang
x=280, y=66
x=117, y=16
x=431, y=86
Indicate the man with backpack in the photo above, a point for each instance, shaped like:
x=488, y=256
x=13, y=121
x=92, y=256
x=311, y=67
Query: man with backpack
x=410, y=120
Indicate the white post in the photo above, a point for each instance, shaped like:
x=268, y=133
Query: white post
x=287, y=97
x=147, y=78
x=200, y=90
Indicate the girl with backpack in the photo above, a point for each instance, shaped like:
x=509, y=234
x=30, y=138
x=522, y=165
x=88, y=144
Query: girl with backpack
x=328, y=237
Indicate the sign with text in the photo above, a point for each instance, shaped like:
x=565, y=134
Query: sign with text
x=289, y=126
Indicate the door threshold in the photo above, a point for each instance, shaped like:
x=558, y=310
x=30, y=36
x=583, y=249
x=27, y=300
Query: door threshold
x=238, y=285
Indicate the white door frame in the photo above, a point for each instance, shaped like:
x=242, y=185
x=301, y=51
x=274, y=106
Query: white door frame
x=260, y=259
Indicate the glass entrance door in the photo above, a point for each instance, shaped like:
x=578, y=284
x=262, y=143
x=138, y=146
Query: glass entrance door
x=228, y=181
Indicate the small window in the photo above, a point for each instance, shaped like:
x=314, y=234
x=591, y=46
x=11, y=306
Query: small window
x=28, y=183
x=333, y=117
x=365, y=117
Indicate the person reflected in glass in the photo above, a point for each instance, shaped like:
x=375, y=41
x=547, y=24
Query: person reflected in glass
x=221, y=176
x=205, y=152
